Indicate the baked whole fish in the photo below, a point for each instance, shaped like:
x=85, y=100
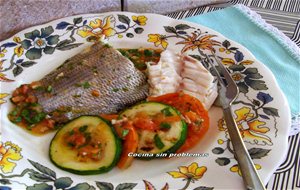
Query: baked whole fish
x=97, y=80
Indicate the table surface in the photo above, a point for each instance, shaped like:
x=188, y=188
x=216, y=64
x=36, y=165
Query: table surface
x=285, y=16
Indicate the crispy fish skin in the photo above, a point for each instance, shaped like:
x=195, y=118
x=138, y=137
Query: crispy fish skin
x=99, y=68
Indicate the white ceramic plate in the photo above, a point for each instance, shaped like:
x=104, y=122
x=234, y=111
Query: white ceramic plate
x=261, y=112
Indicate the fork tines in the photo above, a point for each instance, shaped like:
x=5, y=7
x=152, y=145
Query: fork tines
x=229, y=85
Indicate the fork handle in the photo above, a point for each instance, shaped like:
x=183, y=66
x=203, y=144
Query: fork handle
x=248, y=170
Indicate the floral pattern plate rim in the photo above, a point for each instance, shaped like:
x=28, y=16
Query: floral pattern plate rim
x=261, y=110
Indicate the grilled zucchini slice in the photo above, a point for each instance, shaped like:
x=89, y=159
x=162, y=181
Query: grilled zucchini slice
x=167, y=137
x=86, y=145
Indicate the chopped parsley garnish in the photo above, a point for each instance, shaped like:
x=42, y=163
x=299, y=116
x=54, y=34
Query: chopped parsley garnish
x=18, y=120
x=166, y=112
x=71, y=132
x=158, y=143
x=49, y=89
x=39, y=88
x=34, y=104
x=32, y=116
x=123, y=52
x=25, y=113
x=125, y=132
x=107, y=45
x=71, y=144
x=83, y=128
x=85, y=85
x=164, y=125
x=88, y=136
x=14, y=113
x=115, y=90
x=148, y=52
x=133, y=50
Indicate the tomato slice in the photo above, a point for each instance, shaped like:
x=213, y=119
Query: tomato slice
x=130, y=145
x=127, y=132
x=193, y=111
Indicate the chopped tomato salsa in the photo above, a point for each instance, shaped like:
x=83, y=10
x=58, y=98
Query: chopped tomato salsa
x=27, y=113
x=87, y=146
x=140, y=56
x=156, y=122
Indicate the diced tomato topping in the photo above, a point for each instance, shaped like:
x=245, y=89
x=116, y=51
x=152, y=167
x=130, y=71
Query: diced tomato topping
x=76, y=139
x=40, y=129
x=50, y=123
x=90, y=149
x=15, y=92
x=31, y=99
x=143, y=121
x=89, y=152
x=24, y=89
x=79, y=140
x=18, y=99
x=161, y=118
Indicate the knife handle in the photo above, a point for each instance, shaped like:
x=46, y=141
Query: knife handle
x=248, y=170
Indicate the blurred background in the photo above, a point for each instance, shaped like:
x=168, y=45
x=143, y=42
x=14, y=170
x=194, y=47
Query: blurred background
x=16, y=15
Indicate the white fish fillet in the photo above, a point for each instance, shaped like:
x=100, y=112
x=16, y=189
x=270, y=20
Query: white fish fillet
x=178, y=72
x=163, y=77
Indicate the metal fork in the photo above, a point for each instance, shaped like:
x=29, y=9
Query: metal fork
x=228, y=92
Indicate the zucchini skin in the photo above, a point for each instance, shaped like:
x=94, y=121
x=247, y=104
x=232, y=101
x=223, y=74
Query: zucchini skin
x=181, y=141
x=100, y=170
x=148, y=102
x=183, y=134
